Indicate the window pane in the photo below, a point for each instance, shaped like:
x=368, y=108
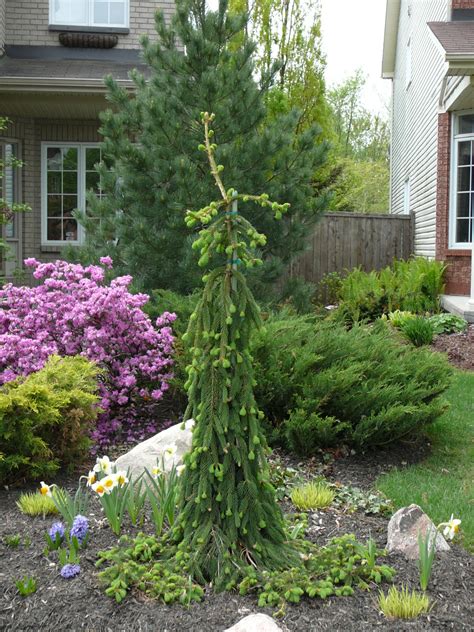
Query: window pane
x=70, y=230
x=54, y=182
x=92, y=181
x=117, y=13
x=464, y=178
x=101, y=12
x=92, y=157
x=54, y=206
x=70, y=158
x=463, y=205
x=465, y=153
x=70, y=11
x=462, y=230
x=54, y=229
x=466, y=124
x=54, y=158
x=70, y=182
x=69, y=204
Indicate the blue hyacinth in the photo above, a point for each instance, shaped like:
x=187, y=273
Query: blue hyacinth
x=79, y=529
x=70, y=570
x=57, y=529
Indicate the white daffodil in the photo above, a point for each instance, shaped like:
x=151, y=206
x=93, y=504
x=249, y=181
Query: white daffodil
x=121, y=478
x=451, y=527
x=103, y=465
x=156, y=472
x=99, y=488
x=180, y=469
x=45, y=490
x=91, y=478
x=170, y=450
x=109, y=483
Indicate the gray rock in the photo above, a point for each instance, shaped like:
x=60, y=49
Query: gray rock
x=151, y=452
x=255, y=623
x=403, y=530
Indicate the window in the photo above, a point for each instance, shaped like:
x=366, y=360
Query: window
x=89, y=13
x=462, y=181
x=67, y=172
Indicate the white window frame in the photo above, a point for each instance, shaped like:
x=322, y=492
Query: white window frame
x=89, y=23
x=81, y=189
x=453, y=179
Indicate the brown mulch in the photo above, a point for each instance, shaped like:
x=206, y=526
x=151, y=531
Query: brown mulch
x=458, y=347
x=80, y=603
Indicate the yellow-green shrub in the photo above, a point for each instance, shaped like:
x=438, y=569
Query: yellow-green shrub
x=46, y=417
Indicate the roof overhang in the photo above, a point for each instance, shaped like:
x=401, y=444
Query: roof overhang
x=392, y=15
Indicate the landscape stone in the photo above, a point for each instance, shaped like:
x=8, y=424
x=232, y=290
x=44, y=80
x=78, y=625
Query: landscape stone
x=255, y=623
x=403, y=530
x=149, y=453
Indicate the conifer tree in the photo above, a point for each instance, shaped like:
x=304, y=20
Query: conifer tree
x=228, y=513
x=154, y=172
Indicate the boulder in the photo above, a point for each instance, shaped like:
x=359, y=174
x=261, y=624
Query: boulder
x=403, y=530
x=150, y=453
x=255, y=623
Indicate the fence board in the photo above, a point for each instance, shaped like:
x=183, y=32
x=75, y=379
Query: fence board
x=343, y=241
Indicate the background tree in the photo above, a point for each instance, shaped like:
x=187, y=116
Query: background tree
x=7, y=207
x=155, y=172
x=360, y=150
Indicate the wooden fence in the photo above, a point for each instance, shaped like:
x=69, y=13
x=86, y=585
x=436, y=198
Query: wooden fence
x=343, y=241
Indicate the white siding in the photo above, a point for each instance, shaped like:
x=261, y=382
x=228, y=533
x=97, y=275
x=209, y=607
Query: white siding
x=415, y=118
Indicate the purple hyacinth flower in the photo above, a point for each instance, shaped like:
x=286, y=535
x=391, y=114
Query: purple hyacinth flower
x=57, y=528
x=79, y=529
x=69, y=571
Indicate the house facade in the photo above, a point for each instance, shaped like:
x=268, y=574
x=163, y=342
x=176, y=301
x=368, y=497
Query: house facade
x=429, y=56
x=54, y=55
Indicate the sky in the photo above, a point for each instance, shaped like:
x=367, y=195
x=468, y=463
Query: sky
x=352, y=32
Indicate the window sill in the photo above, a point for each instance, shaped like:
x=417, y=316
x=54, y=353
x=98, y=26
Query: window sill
x=90, y=29
x=458, y=252
x=56, y=248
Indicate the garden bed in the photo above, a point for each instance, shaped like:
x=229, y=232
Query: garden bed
x=459, y=348
x=80, y=603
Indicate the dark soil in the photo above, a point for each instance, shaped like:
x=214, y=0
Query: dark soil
x=459, y=348
x=80, y=603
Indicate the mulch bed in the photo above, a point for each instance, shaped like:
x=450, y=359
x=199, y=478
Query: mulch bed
x=458, y=347
x=80, y=603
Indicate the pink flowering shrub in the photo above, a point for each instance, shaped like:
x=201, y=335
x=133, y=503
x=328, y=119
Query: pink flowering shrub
x=73, y=311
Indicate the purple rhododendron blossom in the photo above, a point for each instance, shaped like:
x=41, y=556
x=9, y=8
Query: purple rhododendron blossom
x=73, y=311
x=70, y=570
x=57, y=528
x=79, y=529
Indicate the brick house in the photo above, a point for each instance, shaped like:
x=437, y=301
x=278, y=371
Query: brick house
x=53, y=57
x=429, y=56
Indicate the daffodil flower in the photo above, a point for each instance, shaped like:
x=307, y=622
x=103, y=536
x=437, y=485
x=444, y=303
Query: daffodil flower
x=109, y=483
x=180, y=469
x=170, y=450
x=91, y=478
x=103, y=465
x=156, y=472
x=121, y=478
x=99, y=488
x=45, y=490
x=451, y=527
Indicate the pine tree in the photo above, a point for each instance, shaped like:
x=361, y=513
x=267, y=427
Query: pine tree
x=154, y=171
x=228, y=512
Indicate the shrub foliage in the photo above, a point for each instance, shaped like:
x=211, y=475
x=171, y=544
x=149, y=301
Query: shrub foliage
x=46, y=418
x=74, y=311
x=320, y=384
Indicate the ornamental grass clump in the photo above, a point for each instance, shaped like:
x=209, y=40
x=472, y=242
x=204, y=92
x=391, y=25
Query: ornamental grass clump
x=36, y=504
x=403, y=604
x=314, y=495
x=105, y=323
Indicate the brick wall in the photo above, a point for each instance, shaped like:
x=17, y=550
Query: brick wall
x=2, y=26
x=27, y=22
x=462, y=4
x=458, y=276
